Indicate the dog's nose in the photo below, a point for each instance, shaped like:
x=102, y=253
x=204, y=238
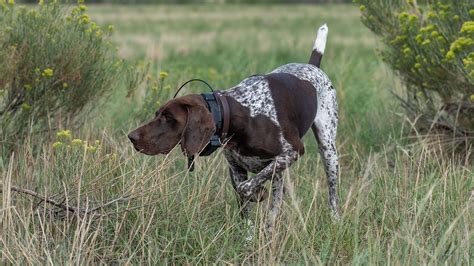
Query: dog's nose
x=133, y=137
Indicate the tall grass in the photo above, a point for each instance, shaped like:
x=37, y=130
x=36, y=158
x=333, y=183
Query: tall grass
x=401, y=205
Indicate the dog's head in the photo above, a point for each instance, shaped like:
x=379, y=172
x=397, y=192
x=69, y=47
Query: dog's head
x=184, y=120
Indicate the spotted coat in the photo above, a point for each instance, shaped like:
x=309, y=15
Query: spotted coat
x=255, y=94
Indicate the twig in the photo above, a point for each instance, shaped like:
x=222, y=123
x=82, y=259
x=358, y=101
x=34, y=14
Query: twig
x=64, y=206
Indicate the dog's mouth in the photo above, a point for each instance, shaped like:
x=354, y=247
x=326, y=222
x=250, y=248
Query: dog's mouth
x=149, y=152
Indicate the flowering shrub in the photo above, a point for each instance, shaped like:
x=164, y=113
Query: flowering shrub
x=54, y=66
x=156, y=90
x=431, y=47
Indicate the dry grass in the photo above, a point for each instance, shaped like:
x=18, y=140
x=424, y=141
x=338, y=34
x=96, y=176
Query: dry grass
x=401, y=205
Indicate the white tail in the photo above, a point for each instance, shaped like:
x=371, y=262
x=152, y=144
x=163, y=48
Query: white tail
x=321, y=38
x=319, y=46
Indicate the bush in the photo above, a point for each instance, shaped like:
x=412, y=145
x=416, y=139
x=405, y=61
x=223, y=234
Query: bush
x=55, y=65
x=431, y=48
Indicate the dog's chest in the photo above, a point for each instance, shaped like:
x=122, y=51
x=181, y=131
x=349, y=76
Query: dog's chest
x=253, y=164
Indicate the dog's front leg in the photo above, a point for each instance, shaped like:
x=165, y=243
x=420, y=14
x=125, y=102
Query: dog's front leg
x=281, y=162
x=272, y=171
x=237, y=176
x=275, y=204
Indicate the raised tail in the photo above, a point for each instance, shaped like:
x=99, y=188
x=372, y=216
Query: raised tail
x=319, y=45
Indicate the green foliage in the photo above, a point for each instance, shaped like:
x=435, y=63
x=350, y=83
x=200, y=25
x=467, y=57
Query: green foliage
x=431, y=47
x=54, y=65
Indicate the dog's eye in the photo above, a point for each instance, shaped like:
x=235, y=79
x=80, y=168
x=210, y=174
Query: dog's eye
x=168, y=117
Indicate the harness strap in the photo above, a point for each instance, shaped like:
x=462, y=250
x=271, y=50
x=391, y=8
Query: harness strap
x=226, y=116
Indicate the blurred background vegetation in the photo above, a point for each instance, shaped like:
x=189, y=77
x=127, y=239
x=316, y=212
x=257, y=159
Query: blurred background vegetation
x=212, y=1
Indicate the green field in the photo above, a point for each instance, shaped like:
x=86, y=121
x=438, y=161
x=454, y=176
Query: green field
x=402, y=202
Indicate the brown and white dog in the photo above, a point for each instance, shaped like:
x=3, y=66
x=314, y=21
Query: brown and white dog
x=269, y=114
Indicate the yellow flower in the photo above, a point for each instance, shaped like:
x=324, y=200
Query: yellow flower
x=98, y=33
x=450, y=55
x=85, y=18
x=461, y=42
x=427, y=28
x=25, y=106
x=406, y=51
x=431, y=14
x=41, y=2
x=11, y=2
x=362, y=8
x=403, y=16
x=76, y=142
x=110, y=28
x=399, y=38
x=167, y=87
x=47, y=73
x=434, y=34
x=82, y=7
x=419, y=38
x=417, y=65
x=57, y=145
x=88, y=31
x=27, y=87
x=91, y=149
x=94, y=26
x=471, y=97
x=455, y=17
x=426, y=42
x=97, y=142
x=468, y=27
x=65, y=85
x=80, y=1
x=64, y=134
x=163, y=74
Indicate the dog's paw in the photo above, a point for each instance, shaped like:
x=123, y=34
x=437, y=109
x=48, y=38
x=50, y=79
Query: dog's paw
x=246, y=189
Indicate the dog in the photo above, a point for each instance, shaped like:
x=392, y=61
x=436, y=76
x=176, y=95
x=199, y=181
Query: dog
x=267, y=116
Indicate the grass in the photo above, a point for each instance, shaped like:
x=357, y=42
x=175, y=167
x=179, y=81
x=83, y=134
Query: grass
x=402, y=204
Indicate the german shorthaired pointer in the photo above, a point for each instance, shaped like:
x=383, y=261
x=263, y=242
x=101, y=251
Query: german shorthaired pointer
x=269, y=114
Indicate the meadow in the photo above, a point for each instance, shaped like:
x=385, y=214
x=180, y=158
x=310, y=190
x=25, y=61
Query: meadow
x=404, y=200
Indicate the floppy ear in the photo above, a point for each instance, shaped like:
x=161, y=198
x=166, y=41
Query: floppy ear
x=199, y=129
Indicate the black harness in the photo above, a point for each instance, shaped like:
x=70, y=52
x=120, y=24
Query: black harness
x=215, y=109
x=219, y=109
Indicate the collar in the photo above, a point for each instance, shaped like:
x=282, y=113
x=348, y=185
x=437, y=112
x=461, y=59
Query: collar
x=219, y=108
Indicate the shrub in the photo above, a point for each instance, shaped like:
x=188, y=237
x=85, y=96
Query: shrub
x=55, y=65
x=431, y=47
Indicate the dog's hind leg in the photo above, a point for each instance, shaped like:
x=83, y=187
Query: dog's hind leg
x=325, y=129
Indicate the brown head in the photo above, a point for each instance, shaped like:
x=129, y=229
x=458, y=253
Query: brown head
x=184, y=120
